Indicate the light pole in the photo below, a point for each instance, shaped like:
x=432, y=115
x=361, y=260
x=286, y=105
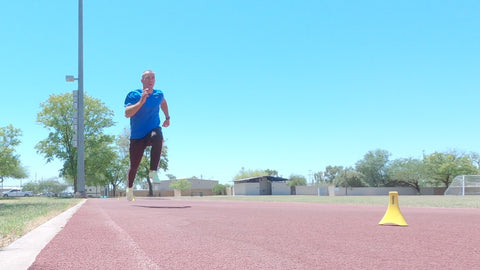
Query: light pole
x=80, y=111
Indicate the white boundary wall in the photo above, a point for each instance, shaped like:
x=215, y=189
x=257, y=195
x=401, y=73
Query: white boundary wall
x=306, y=190
x=364, y=191
x=280, y=189
x=246, y=189
x=368, y=191
x=284, y=189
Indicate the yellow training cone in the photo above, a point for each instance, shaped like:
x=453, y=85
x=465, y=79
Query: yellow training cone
x=393, y=214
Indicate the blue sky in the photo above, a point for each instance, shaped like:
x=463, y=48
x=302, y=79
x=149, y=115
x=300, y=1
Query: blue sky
x=291, y=86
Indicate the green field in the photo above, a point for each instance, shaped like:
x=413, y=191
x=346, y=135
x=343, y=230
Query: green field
x=21, y=215
x=415, y=201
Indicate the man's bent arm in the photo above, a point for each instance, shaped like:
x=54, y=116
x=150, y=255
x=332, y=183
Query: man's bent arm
x=131, y=110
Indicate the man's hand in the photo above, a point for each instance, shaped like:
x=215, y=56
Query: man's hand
x=166, y=123
x=145, y=94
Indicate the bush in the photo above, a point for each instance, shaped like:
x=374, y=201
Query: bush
x=181, y=184
x=45, y=186
x=219, y=189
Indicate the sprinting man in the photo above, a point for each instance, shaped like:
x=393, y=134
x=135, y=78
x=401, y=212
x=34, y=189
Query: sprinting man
x=143, y=106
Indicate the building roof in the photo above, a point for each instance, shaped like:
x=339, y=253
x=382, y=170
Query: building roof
x=257, y=179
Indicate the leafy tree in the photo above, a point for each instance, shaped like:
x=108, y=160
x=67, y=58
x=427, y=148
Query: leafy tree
x=318, y=177
x=331, y=172
x=56, y=115
x=297, y=180
x=406, y=172
x=32, y=186
x=108, y=167
x=170, y=176
x=51, y=185
x=219, y=189
x=350, y=178
x=181, y=184
x=373, y=167
x=443, y=167
x=116, y=173
x=271, y=172
x=100, y=164
x=475, y=157
x=243, y=173
x=19, y=172
x=9, y=161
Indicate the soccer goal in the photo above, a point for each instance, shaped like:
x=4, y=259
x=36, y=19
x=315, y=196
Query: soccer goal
x=464, y=185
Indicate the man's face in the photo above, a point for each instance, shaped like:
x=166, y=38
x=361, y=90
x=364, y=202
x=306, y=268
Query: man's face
x=148, y=81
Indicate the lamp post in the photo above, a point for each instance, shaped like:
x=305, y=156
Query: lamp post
x=80, y=111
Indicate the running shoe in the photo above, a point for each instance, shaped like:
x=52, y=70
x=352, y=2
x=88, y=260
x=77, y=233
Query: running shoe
x=154, y=177
x=130, y=194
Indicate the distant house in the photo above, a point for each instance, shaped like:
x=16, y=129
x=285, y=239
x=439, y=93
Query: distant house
x=262, y=185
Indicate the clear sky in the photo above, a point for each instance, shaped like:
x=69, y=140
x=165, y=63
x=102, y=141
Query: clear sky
x=291, y=86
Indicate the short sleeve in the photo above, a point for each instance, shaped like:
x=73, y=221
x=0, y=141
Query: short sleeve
x=132, y=98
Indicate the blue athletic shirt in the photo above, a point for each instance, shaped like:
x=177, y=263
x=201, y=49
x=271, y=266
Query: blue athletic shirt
x=147, y=118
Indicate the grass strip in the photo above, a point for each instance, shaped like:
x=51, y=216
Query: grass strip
x=403, y=200
x=18, y=216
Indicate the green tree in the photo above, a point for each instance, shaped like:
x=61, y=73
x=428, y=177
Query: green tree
x=170, y=176
x=32, y=186
x=243, y=173
x=9, y=161
x=297, y=180
x=441, y=168
x=350, y=178
x=373, y=167
x=406, y=172
x=181, y=184
x=271, y=172
x=116, y=173
x=50, y=185
x=219, y=189
x=19, y=172
x=319, y=178
x=56, y=115
x=475, y=157
x=331, y=172
x=99, y=164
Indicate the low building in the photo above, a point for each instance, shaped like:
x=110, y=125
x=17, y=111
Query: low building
x=262, y=185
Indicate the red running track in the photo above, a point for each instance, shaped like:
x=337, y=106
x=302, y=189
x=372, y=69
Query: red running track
x=198, y=234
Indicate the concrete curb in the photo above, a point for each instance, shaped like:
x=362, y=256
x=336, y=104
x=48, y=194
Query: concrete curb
x=22, y=253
